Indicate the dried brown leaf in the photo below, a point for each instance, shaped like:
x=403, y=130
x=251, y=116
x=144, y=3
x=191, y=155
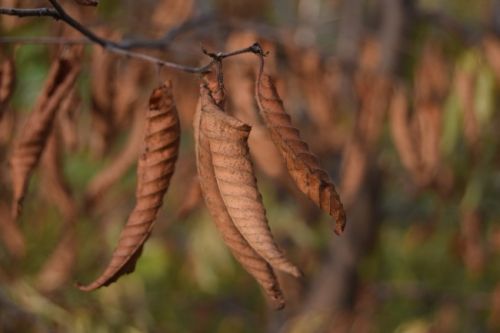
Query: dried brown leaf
x=235, y=177
x=243, y=252
x=7, y=82
x=154, y=171
x=402, y=134
x=302, y=165
x=32, y=140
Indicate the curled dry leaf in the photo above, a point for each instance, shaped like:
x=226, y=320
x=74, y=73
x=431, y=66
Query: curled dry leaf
x=7, y=82
x=302, y=165
x=235, y=177
x=402, y=134
x=154, y=171
x=32, y=140
x=251, y=261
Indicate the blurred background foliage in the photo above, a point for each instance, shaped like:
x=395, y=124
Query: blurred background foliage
x=421, y=252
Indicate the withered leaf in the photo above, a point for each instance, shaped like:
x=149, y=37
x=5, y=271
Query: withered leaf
x=251, y=261
x=235, y=177
x=402, y=134
x=155, y=168
x=32, y=140
x=7, y=82
x=302, y=165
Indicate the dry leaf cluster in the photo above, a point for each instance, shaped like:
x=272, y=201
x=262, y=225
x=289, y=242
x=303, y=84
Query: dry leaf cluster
x=237, y=133
x=226, y=174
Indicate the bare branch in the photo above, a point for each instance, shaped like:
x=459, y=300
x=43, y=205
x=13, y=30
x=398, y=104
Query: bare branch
x=63, y=15
x=22, y=12
x=59, y=13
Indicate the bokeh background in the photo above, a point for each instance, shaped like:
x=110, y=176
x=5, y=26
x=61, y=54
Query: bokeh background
x=399, y=100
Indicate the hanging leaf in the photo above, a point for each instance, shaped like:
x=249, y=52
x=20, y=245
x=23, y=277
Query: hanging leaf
x=402, y=134
x=155, y=168
x=302, y=165
x=32, y=140
x=235, y=177
x=7, y=82
x=251, y=261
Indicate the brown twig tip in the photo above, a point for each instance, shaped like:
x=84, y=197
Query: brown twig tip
x=257, y=49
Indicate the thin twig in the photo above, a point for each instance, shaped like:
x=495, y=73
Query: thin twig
x=59, y=13
x=64, y=16
x=22, y=12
